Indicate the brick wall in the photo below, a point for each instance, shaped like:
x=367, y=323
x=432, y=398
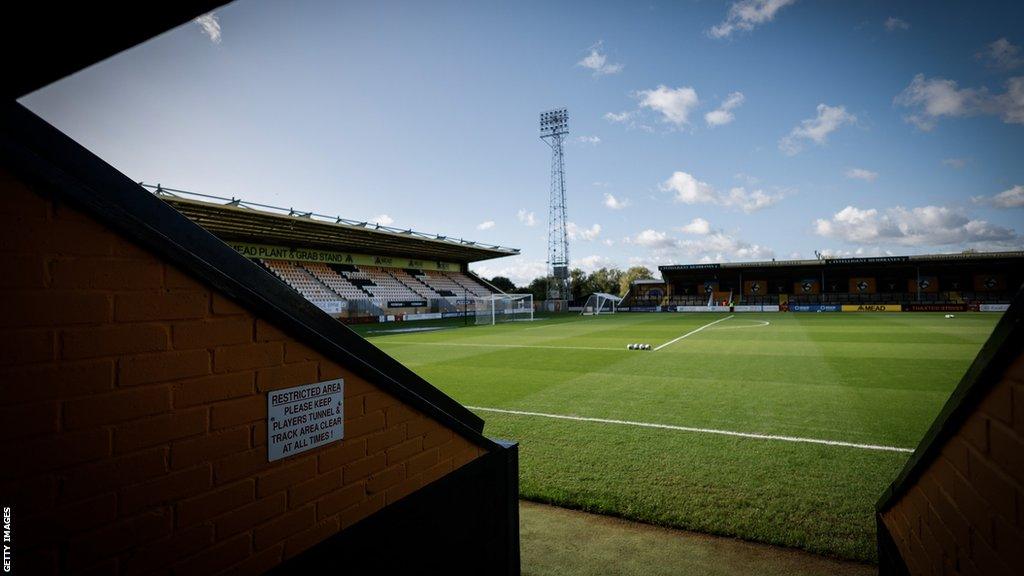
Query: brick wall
x=133, y=402
x=965, y=513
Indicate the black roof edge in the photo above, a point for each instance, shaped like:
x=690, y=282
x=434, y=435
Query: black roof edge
x=1001, y=348
x=46, y=41
x=42, y=154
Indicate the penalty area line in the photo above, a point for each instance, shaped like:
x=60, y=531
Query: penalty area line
x=692, y=332
x=775, y=437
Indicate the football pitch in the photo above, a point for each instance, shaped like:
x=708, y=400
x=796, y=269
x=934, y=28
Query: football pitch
x=778, y=428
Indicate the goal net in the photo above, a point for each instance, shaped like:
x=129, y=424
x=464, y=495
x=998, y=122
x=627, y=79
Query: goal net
x=600, y=303
x=503, y=308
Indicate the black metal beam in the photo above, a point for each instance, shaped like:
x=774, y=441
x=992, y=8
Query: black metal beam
x=43, y=42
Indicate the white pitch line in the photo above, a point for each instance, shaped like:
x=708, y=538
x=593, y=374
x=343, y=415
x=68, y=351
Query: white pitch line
x=699, y=430
x=762, y=323
x=692, y=332
x=503, y=345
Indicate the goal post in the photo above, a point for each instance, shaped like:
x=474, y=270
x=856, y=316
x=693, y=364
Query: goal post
x=497, y=308
x=600, y=303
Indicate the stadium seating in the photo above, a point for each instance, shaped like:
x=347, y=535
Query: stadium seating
x=321, y=283
x=385, y=287
x=302, y=281
x=405, y=276
x=467, y=283
x=441, y=284
x=335, y=281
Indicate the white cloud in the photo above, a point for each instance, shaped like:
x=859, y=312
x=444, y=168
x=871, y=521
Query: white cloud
x=592, y=140
x=752, y=201
x=526, y=218
x=713, y=247
x=893, y=23
x=614, y=203
x=957, y=163
x=619, y=117
x=210, y=26
x=383, y=220
x=485, y=225
x=1009, y=198
x=745, y=15
x=828, y=120
x=593, y=262
x=723, y=114
x=653, y=239
x=722, y=247
x=922, y=226
x=698, y=226
x=934, y=98
x=1001, y=54
x=688, y=190
x=587, y=234
x=674, y=104
x=608, y=242
x=861, y=174
x=516, y=268
x=597, y=62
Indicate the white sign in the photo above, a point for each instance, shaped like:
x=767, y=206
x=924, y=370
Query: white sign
x=756, y=308
x=702, y=308
x=994, y=307
x=304, y=417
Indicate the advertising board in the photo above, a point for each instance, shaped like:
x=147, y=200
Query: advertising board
x=872, y=308
x=814, y=308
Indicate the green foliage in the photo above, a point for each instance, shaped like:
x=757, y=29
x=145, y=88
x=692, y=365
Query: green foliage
x=581, y=284
x=864, y=378
x=634, y=273
x=504, y=284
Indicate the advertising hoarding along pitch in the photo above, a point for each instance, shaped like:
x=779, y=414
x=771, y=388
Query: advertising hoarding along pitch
x=872, y=308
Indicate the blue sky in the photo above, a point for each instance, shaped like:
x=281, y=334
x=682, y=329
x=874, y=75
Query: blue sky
x=700, y=131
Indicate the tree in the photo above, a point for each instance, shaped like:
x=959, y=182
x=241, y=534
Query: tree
x=634, y=273
x=605, y=280
x=539, y=289
x=504, y=284
x=578, y=284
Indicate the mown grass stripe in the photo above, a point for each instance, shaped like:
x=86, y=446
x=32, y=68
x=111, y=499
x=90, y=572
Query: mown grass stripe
x=692, y=332
x=698, y=430
x=473, y=344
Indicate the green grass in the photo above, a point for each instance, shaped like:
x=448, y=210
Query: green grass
x=862, y=378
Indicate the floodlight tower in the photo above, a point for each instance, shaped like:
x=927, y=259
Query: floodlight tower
x=554, y=126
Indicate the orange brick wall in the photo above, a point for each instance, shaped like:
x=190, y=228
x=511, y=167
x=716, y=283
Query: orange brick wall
x=133, y=402
x=965, y=514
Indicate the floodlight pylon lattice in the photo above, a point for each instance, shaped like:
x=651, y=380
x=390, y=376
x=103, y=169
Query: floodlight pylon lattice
x=554, y=127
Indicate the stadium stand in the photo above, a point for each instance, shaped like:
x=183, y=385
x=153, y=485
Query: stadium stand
x=156, y=346
x=386, y=287
x=352, y=270
x=968, y=279
x=335, y=281
x=441, y=284
x=302, y=281
x=406, y=276
x=468, y=283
